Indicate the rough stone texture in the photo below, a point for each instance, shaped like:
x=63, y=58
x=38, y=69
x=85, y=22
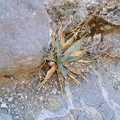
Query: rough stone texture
x=24, y=32
x=97, y=98
x=5, y=116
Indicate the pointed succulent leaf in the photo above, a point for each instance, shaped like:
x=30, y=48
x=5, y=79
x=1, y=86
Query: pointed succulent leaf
x=77, y=45
x=72, y=58
x=63, y=70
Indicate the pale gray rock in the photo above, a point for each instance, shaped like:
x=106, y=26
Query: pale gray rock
x=4, y=106
x=97, y=98
x=5, y=116
x=24, y=32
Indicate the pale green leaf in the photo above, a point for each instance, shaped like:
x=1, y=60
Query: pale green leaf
x=72, y=58
x=77, y=45
x=63, y=70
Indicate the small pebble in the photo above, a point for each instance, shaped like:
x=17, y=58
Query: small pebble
x=46, y=105
x=3, y=105
x=16, y=117
x=11, y=78
x=41, y=98
x=10, y=99
x=54, y=91
x=22, y=107
x=20, y=95
x=0, y=100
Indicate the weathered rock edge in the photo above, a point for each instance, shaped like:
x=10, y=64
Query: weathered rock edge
x=24, y=29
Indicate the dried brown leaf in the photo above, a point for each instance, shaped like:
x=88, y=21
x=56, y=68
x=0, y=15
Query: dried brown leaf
x=73, y=78
x=78, y=52
x=48, y=75
x=69, y=42
x=72, y=69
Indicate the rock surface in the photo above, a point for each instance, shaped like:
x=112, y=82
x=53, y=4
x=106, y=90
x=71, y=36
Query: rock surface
x=5, y=116
x=96, y=98
x=24, y=32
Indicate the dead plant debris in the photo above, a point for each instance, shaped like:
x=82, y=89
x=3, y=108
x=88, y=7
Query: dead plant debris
x=67, y=47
